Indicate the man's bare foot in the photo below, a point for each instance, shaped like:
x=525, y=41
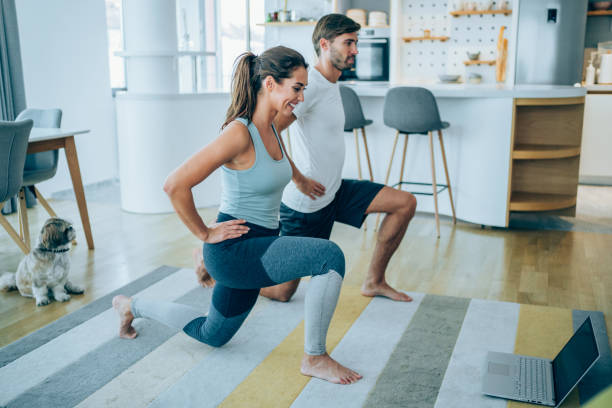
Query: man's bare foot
x=328, y=369
x=383, y=289
x=121, y=304
x=204, y=277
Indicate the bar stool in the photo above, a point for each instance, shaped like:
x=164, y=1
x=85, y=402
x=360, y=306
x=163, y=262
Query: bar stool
x=413, y=110
x=353, y=120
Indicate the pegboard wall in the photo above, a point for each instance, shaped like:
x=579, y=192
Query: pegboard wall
x=426, y=59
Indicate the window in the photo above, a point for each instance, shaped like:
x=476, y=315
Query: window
x=233, y=29
x=210, y=35
x=115, y=43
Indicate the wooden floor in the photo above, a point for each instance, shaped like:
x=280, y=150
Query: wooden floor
x=555, y=268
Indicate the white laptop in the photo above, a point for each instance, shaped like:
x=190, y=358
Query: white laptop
x=540, y=380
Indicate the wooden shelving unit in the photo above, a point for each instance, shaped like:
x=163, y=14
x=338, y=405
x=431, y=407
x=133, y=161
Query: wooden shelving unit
x=541, y=202
x=545, y=157
x=600, y=13
x=431, y=38
x=533, y=152
x=477, y=12
x=479, y=62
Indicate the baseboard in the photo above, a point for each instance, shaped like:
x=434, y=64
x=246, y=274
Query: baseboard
x=89, y=189
x=596, y=180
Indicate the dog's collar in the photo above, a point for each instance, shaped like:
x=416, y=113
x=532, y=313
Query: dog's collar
x=53, y=250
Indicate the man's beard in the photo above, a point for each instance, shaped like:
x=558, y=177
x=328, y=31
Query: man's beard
x=339, y=62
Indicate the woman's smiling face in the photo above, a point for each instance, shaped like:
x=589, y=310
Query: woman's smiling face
x=290, y=91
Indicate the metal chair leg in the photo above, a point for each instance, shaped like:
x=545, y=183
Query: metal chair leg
x=450, y=192
x=433, y=180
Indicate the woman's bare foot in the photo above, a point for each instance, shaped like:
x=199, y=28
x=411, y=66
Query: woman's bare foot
x=204, y=277
x=328, y=369
x=383, y=289
x=121, y=304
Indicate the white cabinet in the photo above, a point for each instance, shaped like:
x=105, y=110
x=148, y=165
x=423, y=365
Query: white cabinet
x=596, y=154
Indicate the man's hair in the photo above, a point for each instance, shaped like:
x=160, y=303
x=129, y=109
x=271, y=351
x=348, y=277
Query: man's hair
x=330, y=27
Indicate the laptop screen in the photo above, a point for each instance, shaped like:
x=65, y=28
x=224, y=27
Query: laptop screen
x=574, y=360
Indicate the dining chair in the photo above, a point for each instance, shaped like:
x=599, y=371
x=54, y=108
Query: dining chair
x=13, y=147
x=40, y=166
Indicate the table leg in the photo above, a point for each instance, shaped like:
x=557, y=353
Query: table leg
x=77, y=185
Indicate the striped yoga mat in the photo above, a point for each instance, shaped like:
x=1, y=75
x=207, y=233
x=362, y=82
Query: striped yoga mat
x=427, y=353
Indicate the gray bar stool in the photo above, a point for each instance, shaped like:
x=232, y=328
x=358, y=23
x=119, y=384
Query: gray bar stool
x=353, y=120
x=413, y=110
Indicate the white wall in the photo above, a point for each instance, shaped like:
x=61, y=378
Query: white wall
x=64, y=51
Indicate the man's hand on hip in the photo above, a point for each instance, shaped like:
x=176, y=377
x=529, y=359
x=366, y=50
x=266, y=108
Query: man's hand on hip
x=310, y=187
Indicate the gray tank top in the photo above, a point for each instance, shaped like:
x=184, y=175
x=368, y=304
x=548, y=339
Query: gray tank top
x=254, y=194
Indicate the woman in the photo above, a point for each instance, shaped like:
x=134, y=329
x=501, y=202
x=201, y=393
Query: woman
x=243, y=251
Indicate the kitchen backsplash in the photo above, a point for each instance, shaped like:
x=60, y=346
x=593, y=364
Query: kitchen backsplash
x=426, y=59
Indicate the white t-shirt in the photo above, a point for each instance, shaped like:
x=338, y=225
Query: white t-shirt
x=317, y=140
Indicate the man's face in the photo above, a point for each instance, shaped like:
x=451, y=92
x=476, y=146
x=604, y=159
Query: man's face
x=342, y=51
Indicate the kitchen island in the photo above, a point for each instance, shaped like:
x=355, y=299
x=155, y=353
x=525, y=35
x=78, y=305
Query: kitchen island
x=495, y=167
x=509, y=148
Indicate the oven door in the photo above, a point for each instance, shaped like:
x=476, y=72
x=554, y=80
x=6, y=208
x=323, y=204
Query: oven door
x=372, y=62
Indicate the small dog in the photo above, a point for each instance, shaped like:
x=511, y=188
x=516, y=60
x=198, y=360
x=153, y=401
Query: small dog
x=46, y=267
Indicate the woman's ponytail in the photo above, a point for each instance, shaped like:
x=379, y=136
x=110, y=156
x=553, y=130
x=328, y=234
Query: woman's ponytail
x=244, y=97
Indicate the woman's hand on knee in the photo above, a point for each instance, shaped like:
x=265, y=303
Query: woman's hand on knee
x=222, y=231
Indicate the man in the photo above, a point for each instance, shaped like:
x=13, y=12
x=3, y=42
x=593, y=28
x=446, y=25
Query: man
x=310, y=208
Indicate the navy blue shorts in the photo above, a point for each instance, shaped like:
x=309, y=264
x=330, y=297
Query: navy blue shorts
x=348, y=207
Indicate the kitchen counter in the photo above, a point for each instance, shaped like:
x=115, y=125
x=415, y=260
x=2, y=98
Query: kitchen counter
x=461, y=90
x=595, y=163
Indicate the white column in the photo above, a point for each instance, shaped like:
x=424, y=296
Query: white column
x=151, y=44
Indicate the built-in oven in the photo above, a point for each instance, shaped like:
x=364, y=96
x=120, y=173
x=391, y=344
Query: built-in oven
x=372, y=62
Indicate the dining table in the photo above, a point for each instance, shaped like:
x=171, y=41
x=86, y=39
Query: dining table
x=46, y=139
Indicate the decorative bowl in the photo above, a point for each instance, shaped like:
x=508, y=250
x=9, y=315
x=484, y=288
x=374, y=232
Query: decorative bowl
x=449, y=77
x=474, y=78
x=601, y=5
x=473, y=55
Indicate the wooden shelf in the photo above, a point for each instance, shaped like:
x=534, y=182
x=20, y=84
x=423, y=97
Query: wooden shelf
x=476, y=12
x=600, y=13
x=288, y=23
x=303, y=23
x=532, y=152
x=443, y=38
x=480, y=62
x=520, y=201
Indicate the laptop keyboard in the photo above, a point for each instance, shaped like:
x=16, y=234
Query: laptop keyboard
x=532, y=380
